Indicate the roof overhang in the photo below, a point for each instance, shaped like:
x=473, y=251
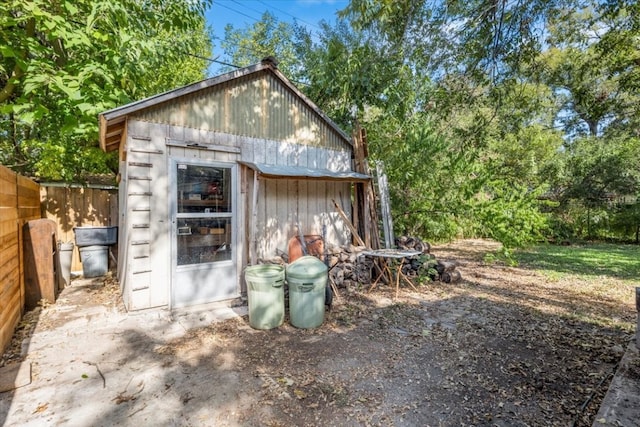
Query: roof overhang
x=300, y=172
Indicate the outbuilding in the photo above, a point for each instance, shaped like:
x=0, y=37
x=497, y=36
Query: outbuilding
x=217, y=175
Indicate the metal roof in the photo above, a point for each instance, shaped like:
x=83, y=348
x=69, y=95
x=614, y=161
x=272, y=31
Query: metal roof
x=113, y=122
x=300, y=172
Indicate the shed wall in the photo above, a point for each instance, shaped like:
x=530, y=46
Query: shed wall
x=144, y=220
x=145, y=270
x=285, y=204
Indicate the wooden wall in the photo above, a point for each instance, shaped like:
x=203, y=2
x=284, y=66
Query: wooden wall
x=75, y=206
x=19, y=203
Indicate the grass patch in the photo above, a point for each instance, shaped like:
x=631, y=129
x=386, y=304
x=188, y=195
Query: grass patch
x=598, y=259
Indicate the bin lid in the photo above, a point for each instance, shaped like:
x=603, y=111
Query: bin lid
x=307, y=267
x=265, y=271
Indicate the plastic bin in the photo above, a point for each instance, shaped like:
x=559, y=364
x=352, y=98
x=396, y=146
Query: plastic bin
x=307, y=280
x=92, y=236
x=265, y=291
x=65, y=255
x=95, y=260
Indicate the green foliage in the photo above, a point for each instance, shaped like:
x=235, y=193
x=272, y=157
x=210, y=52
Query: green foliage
x=64, y=62
x=503, y=120
x=267, y=37
x=626, y=220
x=347, y=73
x=498, y=95
x=483, y=39
x=432, y=180
x=511, y=215
x=599, y=170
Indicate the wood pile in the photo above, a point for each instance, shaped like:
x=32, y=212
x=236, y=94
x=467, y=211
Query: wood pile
x=408, y=243
x=420, y=264
x=426, y=264
x=348, y=267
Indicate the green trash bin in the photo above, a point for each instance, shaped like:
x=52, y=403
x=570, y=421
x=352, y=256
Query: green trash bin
x=265, y=290
x=307, y=279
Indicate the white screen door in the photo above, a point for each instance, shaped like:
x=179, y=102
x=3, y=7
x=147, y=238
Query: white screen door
x=203, y=233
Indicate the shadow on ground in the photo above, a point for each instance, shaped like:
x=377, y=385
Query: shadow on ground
x=502, y=347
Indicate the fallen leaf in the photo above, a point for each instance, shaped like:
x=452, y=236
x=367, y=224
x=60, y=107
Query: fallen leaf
x=286, y=381
x=41, y=408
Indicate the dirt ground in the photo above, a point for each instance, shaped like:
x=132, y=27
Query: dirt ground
x=505, y=346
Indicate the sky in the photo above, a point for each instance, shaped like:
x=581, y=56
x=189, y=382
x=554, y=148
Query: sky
x=243, y=13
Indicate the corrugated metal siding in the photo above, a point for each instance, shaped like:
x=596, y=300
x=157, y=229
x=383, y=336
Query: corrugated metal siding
x=256, y=106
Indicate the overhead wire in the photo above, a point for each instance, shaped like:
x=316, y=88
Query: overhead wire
x=247, y=7
x=313, y=33
x=216, y=60
x=193, y=55
x=236, y=11
x=288, y=14
x=269, y=8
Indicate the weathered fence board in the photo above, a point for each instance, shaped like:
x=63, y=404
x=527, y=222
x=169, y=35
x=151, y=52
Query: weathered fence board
x=19, y=203
x=75, y=206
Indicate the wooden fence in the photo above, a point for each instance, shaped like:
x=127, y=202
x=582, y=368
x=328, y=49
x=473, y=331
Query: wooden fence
x=75, y=206
x=22, y=200
x=19, y=203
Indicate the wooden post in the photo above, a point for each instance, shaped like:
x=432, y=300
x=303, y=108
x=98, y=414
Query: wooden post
x=367, y=222
x=385, y=203
x=254, y=220
x=365, y=216
x=638, y=322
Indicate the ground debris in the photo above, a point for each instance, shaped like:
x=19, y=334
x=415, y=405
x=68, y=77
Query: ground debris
x=504, y=346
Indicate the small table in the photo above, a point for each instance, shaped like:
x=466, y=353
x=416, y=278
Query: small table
x=392, y=255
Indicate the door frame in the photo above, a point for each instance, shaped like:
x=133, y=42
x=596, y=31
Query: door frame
x=173, y=208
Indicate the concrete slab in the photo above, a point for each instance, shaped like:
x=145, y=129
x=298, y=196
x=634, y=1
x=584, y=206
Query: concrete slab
x=621, y=405
x=89, y=363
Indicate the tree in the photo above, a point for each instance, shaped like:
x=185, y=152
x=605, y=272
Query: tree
x=483, y=39
x=620, y=48
x=486, y=112
x=267, y=37
x=599, y=172
x=432, y=181
x=592, y=67
x=591, y=86
x=500, y=68
x=348, y=73
x=64, y=62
